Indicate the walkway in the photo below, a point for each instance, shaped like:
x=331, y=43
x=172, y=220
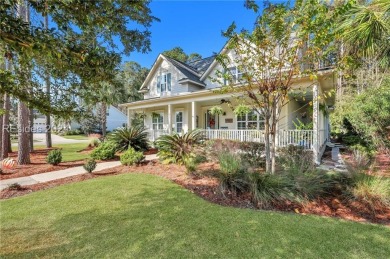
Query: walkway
x=50, y=176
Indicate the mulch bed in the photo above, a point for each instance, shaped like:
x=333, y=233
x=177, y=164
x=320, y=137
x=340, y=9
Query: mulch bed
x=206, y=187
x=38, y=165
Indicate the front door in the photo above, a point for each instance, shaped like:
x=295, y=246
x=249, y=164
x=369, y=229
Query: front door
x=211, y=121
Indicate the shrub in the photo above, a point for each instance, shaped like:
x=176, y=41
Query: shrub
x=54, y=157
x=89, y=165
x=131, y=157
x=372, y=190
x=253, y=153
x=15, y=187
x=104, y=151
x=294, y=159
x=176, y=148
x=215, y=147
x=232, y=176
x=191, y=164
x=312, y=184
x=73, y=132
x=135, y=137
x=95, y=142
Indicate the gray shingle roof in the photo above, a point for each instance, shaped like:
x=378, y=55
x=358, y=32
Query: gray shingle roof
x=202, y=65
x=189, y=72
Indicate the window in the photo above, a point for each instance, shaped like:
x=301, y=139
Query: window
x=235, y=74
x=164, y=83
x=179, y=122
x=158, y=121
x=251, y=120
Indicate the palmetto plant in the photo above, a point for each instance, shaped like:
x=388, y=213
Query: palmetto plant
x=134, y=137
x=177, y=148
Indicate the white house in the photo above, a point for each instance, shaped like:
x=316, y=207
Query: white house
x=115, y=119
x=178, y=96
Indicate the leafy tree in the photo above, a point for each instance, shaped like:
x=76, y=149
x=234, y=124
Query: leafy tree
x=179, y=54
x=270, y=56
x=367, y=114
x=79, y=49
x=131, y=76
x=194, y=57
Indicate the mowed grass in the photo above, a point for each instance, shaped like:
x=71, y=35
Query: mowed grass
x=145, y=216
x=70, y=151
x=77, y=137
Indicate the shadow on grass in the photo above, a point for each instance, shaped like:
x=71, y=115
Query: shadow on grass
x=146, y=216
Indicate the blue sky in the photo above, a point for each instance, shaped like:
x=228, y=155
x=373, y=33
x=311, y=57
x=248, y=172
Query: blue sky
x=194, y=26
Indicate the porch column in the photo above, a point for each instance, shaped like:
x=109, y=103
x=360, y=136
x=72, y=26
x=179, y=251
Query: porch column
x=193, y=111
x=129, y=117
x=169, y=118
x=316, y=124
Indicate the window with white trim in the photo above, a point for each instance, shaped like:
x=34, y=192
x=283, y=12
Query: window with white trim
x=235, y=74
x=179, y=121
x=252, y=120
x=164, y=83
x=158, y=121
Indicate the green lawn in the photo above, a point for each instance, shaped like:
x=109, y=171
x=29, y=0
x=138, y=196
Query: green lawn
x=142, y=216
x=77, y=137
x=69, y=151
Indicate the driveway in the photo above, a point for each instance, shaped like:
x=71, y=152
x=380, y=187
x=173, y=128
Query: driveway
x=40, y=139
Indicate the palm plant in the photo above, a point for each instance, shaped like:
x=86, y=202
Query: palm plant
x=365, y=29
x=177, y=148
x=135, y=137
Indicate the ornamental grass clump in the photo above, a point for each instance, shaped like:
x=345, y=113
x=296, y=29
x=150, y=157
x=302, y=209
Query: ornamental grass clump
x=231, y=176
x=371, y=190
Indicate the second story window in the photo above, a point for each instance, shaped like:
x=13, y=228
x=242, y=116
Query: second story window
x=164, y=83
x=234, y=74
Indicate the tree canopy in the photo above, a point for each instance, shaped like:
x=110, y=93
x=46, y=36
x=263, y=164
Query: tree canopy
x=179, y=54
x=79, y=49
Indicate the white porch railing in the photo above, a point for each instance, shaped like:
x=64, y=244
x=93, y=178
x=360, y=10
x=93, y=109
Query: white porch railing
x=155, y=134
x=302, y=138
x=239, y=135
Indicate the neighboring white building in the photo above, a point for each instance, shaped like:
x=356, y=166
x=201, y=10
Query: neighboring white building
x=115, y=119
x=178, y=96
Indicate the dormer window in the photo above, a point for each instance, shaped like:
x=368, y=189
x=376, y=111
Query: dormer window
x=164, y=83
x=235, y=75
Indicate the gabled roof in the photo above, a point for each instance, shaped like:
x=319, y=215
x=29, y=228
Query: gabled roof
x=192, y=71
x=189, y=72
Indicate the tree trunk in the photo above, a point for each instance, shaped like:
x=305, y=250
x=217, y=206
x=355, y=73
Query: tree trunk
x=103, y=116
x=47, y=82
x=23, y=111
x=31, y=126
x=5, y=140
x=268, y=161
x=1, y=128
x=273, y=153
x=23, y=134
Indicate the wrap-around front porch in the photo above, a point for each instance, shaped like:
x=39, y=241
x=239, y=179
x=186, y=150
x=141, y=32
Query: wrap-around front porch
x=175, y=114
